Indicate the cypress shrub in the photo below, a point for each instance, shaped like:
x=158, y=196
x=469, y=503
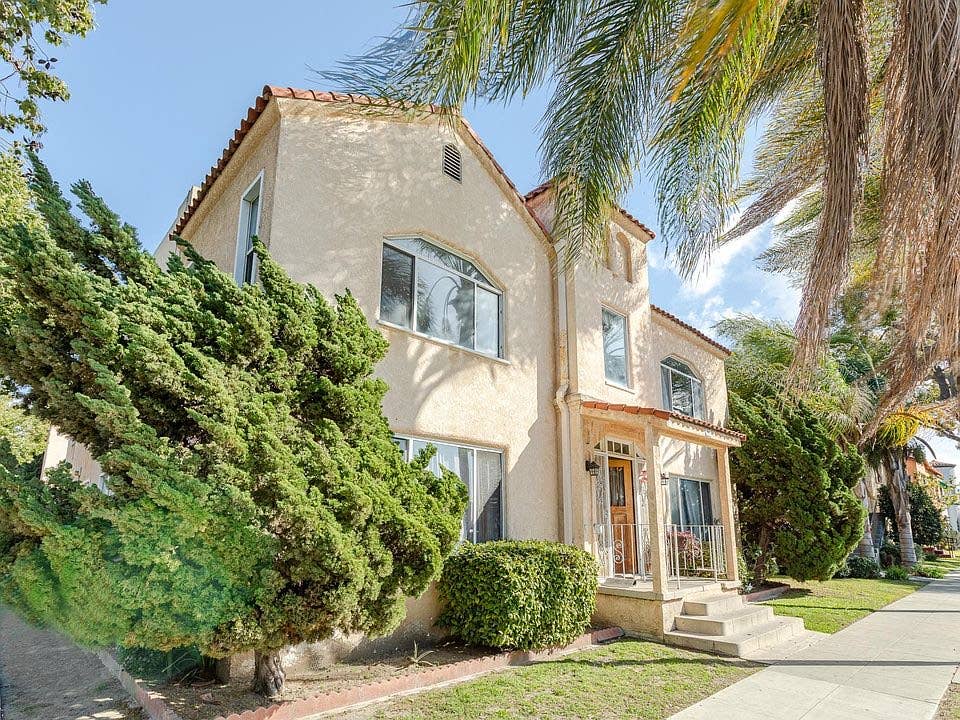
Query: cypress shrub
x=526, y=595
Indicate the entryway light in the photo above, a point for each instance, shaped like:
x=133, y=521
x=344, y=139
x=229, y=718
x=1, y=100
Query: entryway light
x=593, y=468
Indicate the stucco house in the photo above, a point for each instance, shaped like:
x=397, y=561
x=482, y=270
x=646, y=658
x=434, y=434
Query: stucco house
x=572, y=408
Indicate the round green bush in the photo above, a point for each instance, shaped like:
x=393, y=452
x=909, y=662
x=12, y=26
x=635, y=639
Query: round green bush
x=897, y=572
x=863, y=568
x=526, y=595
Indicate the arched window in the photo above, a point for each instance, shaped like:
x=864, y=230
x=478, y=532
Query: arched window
x=682, y=389
x=620, y=256
x=433, y=291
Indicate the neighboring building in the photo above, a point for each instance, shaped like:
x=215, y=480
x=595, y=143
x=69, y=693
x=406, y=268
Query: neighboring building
x=572, y=408
x=948, y=471
x=929, y=477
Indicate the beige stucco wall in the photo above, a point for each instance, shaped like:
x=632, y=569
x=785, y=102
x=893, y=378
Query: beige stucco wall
x=335, y=185
x=214, y=225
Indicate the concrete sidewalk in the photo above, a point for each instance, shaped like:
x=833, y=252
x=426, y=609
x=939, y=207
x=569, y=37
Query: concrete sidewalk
x=895, y=663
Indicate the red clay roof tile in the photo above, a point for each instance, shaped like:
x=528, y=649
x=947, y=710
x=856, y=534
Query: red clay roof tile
x=663, y=415
x=691, y=328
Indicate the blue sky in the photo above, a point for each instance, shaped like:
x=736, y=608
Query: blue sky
x=158, y=89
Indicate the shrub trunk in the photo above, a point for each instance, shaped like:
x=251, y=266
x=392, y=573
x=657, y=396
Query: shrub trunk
x=268, y=675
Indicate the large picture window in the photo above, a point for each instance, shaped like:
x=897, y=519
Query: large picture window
x=481, y=471
x=440, y=294
x=690, y=503
x=615, y=347
x=682, y=390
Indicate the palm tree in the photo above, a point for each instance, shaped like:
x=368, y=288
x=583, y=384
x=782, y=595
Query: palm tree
x=675, y=84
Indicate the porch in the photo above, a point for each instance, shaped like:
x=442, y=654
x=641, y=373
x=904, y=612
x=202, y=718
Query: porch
x=657, y=512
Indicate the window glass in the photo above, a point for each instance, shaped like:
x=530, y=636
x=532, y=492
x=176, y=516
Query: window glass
x=429, y=251
x=396, y=293
x=682, y=390
x=450, y=302
x=482, y=472
x=489, y=515
x=614, y=347
x=246, y=268
x=445, y=305
x=488, y=322
x=690, y=502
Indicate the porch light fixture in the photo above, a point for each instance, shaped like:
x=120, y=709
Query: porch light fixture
x=593, y=468
x=664, y=479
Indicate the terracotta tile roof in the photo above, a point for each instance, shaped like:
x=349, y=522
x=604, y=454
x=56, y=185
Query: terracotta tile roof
x=254, y=112
x=942, y=463
x=663, y=415
x=543, y=187
x=691, y=328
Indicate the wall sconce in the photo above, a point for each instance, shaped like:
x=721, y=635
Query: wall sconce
x=664, y=479
x=593, y=468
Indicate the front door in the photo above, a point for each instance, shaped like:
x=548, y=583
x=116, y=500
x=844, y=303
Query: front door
x=622, y=518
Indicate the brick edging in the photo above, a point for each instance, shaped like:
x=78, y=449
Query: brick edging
x=157, y=710
x=768, y=594
x=151, y=702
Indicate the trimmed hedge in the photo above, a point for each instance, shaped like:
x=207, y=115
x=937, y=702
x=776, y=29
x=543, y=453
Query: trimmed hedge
x=526, y=595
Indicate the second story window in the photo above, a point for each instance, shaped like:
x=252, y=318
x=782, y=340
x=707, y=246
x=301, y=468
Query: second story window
x=615, y=347
x=246, y=265
x=682, y=389
x=440, y=294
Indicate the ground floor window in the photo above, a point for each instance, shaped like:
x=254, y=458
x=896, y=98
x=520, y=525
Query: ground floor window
x=481, y=470
x=690, y=502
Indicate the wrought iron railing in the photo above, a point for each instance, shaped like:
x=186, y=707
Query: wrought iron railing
x=691, y=550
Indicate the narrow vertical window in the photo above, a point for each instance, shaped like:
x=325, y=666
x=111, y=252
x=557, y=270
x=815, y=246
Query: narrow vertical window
x=615, y=347
x=246, y=266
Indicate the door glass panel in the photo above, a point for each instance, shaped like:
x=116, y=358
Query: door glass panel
x=691, y=502
x=618, y=492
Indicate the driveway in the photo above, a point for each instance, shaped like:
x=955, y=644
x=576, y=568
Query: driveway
x=44, y=676
x=894, y=664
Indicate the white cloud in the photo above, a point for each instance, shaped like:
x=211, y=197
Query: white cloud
x=712, y=272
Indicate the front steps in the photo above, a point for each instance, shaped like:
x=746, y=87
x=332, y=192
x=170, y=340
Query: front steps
x=722, y=623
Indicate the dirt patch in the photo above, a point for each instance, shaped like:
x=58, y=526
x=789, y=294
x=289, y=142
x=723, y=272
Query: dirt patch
x=950, y=705
x=203, y=700
x=45, y=676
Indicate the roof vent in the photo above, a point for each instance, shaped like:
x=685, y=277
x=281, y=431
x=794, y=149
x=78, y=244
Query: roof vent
x=452, y=163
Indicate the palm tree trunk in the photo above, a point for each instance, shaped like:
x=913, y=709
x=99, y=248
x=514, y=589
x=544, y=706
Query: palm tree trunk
x=866, y=547
x=268, y=675
x=900, y=497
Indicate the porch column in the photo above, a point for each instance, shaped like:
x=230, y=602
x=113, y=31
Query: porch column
x=726, y=513
x=656, y=513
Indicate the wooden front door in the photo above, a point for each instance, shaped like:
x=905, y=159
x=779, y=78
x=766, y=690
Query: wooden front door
x=622, y=517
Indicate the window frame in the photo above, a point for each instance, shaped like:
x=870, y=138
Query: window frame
x=391, y=241
x=676, y=483
x=668, y=400
x=472, y=510
x=253, y=193
x=627, y=362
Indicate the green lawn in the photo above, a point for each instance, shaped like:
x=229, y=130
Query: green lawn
x=627, y=679
x=946, y=564
x=834, y=604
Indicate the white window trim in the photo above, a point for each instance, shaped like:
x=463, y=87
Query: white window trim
x=390, y=241
x=240, y=252
x=471, y=508
x=628, y=361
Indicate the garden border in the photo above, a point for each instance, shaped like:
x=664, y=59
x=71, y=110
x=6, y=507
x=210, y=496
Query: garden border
x=768, y=594
x=154, y=705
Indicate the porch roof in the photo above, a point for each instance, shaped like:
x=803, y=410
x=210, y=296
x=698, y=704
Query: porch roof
x=671, y=423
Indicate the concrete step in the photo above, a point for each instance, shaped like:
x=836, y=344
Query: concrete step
x=785, y=649
x=732, y=622
x=765, y=634
x=713, y=604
